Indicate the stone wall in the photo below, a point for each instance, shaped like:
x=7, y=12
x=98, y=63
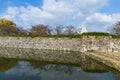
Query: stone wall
x=71, y=44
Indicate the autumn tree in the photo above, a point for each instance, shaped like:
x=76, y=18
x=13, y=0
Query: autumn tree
x=40, y=30
x=8, y=27
x=115, y=29
x=7, y=22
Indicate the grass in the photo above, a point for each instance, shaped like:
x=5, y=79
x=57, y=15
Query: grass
x=96, y=34
x=115, y=54
x=116, y=36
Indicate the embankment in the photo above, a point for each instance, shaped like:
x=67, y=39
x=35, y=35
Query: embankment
x=83, y=44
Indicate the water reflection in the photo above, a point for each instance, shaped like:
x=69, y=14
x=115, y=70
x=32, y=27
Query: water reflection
x=84, y=69
x=66, y=57
x=27, y=70
x=6, y=64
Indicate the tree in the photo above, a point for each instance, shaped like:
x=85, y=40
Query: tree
x=58, y=30
x=115, y=29
x=69, y=30
x=64, y=30
x=8, y=27
x=40, y=30
x=23, y=31
x=7, y=22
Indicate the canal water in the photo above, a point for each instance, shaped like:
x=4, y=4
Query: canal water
x=17, y=69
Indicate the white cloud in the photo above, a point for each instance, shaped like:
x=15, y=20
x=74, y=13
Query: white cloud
x=27, y=16
x=68, y=12
x=23, y=67
x=101, y=21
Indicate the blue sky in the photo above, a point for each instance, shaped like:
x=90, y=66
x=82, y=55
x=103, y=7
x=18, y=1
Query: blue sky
x=112, y=7
x=96, y=15
x=4, y=4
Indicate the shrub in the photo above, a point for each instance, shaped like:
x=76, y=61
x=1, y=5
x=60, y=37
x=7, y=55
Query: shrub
x=115, y=36
x=96, y=34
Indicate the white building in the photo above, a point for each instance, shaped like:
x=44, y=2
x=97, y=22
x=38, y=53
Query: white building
x=82, y=30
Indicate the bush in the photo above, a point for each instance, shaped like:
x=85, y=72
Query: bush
x=115, y=36
x=96, y=34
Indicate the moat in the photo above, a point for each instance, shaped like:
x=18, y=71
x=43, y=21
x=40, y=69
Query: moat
x=87, y=69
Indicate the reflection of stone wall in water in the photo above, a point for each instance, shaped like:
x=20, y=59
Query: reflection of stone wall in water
x=89, y=65
x=102, y=43
x=68, y=57
x=6, y=64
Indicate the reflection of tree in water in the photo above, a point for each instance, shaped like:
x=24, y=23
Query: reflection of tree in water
x=64, y=68
x=54, y=67
x=6, y=64
x=40, y=65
